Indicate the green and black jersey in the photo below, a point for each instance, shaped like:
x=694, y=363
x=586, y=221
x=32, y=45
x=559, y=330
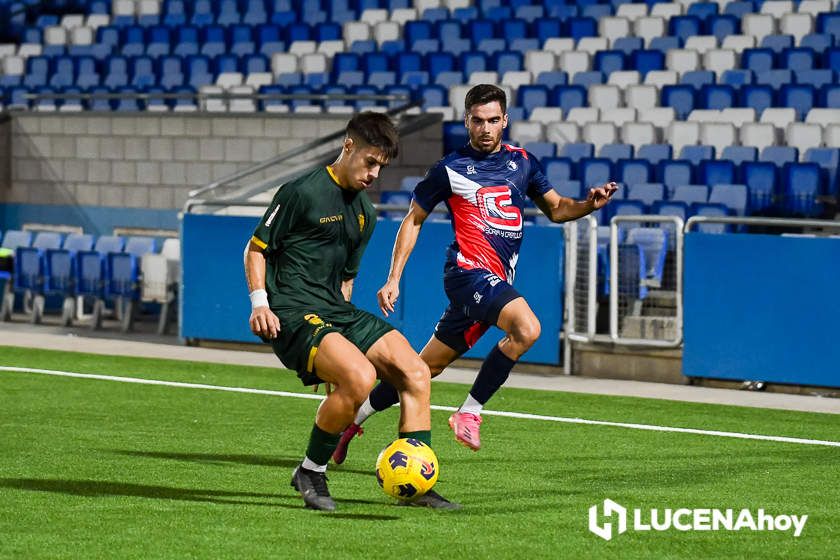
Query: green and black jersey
x=313, y=236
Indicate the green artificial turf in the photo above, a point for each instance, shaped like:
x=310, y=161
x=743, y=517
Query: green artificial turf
x=101, y=469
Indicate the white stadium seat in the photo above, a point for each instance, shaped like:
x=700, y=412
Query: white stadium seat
x=797, y=25
x=641, y=97
x=619, y=117
x=718, y=134
x=540, y=61
x=680, y=134
x=720, y=60
x=313, y=63
x=704, y=115
x=284, y=63
x=803, y=136
x=583, y=115
x=778, y=116
x=523, y=132
x=604, y=96
x=661, y=78
x=666, y=10
x=682, y=60
x=372, y=16
x=546, y=115
x=562, y=133
x=599, y=134
x=615, y=26
x=738, y=115
x=660, y=117
x=386, y=31
x=777, y=8
x=632, y=12
x=355, y=31
x=516, y=78
x=759, y=135
x=559, y=45
x=649, y=28
x=823, y=116
x=758, y=25
x=701, y=43
x=301, y=48
x=330, y=48
x=738, y=43
x=624, y=78
x=402, y=15
x=573, y=62
x=831, y=136
x=592, y=45
x=814, y=7
x=638, y=133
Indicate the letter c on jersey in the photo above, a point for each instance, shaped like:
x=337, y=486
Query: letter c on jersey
x=497, y=208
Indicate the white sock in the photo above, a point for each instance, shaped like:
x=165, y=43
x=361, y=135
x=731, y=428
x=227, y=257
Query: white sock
x=365, y=412
x=471, y=405
x=310, y=465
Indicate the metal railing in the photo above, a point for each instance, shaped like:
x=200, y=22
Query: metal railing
x=646, y=307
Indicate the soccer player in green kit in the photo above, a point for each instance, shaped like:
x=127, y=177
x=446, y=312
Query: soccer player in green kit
x=299, y=265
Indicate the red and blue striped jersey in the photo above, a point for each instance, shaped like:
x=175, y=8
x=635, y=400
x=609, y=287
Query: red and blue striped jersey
x=486, y=195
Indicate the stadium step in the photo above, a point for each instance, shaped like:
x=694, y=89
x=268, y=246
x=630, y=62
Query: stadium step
x=646, y=327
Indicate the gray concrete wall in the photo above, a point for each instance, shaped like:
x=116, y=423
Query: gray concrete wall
x=152, y=160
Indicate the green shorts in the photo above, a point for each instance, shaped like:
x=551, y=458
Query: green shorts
x=301, y=331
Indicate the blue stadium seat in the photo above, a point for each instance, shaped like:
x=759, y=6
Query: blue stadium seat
x=653, y=242
x=721, y=26
x=816, y=78
x=820, y=42
x=241, y=40
x=576, y=152
x=665, y=44
x=671, y=208
x=737, y=78
x=615, y=152
x=718, y=96
x=628, y=45
x=801, y=186
x=546, y=28
x=696, y=154
x=802, y=97
x=674, y=173
x=491, y=46
x=698, y=78
x=506, y=61
x=514, y=28
x=523, y=45
x=739, y=154
x=532, y=96
x=799, y=59
x=774, y=78
x=417, y=29
x=541, y=150
x=716, y=171
x=683, y=27
x=472, y=61
x=171, y=72
x=829, y=22
x=633, y=171
x=760, y=178
x=568, y=97
x=454, y=136
x=701, y=209
x=588, y=79
x=579, y=27
x=644, y=61
x=648, y=193
x=30, y=265
x=552, y=79
x=133, y=41
x=174, y=13
x=733, y=196
x=569, y=189
x=595, y=172
x=758, y=97
x=269, y=39
x=777, y=43
x=829, y=160
x=654, y=153
x=199, y=71
x=214, y=41
x=609, y=61
x=739, y=8
x=557, y=170
x=779, y=155
x=680, y=97
x=143, y=73
x=60, y=271
x=691, y=194
x=702, y=10
x=757, y=60
x=186, y=42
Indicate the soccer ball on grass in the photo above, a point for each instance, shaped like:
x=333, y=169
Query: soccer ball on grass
x=407, y=469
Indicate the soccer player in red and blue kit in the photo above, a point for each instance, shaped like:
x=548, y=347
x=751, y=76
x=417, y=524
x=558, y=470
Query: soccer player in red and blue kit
x=484, y=185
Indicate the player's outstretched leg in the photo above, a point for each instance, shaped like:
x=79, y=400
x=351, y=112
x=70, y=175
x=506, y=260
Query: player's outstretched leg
x=340, y=363
x=382, y=397
x=522, y=329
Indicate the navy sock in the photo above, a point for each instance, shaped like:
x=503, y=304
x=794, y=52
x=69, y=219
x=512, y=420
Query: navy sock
x=492, y=375
x=383, y=396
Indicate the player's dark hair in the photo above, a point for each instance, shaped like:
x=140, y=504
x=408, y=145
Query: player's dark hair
x=375, y=129
x=483, y=94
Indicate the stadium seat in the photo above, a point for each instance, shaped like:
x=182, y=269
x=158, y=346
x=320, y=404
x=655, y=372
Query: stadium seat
x=691, y=194
x=655, y=153
x=595, y=172
x=760, y=179
x=733, y=196
x=30, y=271
x=615, y=152
x=829, y=160
x=648, y=193
x=653, y=241
x=801, y=186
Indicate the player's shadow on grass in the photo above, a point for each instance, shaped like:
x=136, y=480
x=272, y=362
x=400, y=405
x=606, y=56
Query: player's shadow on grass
x=104, y=488
x=220, y=459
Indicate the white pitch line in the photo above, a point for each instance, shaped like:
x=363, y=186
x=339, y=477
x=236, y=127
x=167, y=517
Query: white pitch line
x=522, y=415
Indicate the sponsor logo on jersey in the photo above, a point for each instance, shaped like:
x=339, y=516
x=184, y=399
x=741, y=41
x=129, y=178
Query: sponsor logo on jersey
x=497, y=208
x=271, y=217
x=512, y=165
x=471, y=170
x=330, y=219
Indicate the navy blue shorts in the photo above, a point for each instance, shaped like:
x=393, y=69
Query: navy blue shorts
x=476, y=297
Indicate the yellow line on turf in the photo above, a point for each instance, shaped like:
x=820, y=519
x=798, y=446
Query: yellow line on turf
x=520, y=415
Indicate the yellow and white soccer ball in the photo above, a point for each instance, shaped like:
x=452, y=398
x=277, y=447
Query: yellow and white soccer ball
x=407, y=469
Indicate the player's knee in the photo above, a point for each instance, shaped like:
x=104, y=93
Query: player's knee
x=362, y=380
x=417, y=376
x=436, y=369
x=527, y=332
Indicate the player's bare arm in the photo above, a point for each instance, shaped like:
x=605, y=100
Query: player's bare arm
x=403, y=246
x=347, y=289
x=562, y=209
x=263, y=321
